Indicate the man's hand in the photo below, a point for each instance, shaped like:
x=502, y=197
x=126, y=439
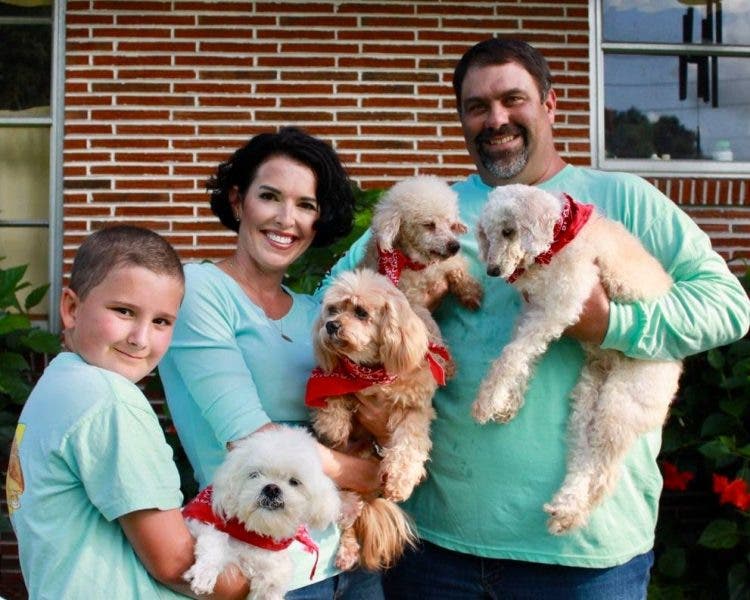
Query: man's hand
x=594, y=321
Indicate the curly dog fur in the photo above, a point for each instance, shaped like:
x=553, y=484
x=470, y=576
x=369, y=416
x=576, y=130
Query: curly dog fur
x=369, y=321
x=419, y=217
x=617, y=398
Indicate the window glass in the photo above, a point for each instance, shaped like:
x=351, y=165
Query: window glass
x=24, y=173
x=25, y=8
x=644, y=114
x=27, y=246
x=677, y=21
x=25, y=68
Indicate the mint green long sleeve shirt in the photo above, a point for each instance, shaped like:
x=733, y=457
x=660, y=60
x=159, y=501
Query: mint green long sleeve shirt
x=487, y=484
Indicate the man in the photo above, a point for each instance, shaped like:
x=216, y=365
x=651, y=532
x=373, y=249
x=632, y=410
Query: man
x=479, y=512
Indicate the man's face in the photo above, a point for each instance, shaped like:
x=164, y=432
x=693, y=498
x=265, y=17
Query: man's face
x=507, y=128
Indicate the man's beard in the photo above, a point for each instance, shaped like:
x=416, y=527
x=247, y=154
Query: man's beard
x=505, y=165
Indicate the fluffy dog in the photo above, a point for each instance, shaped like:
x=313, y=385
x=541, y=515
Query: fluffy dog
x=369, y=341
x=415, y=228
x=268, y=489
x=554, y=251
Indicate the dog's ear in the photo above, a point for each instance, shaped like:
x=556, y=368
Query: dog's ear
x=459, y=228
x=482, y=241
x=537, y=215
x=403, y=336
x=386, y=223
x=325, y=503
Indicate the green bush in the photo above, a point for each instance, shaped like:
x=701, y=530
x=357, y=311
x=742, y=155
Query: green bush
x=703, y=536
x=22, y=346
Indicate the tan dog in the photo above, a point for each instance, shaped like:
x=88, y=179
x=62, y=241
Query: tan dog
x=415, y=228
x=369, y=341
x=554, y=251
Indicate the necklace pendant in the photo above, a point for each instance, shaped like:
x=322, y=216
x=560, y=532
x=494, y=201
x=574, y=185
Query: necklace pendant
x=286, y=337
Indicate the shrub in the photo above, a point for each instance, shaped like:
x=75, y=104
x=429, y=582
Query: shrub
x=703, y=536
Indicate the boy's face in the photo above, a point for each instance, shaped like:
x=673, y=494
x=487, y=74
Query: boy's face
x=125, y=323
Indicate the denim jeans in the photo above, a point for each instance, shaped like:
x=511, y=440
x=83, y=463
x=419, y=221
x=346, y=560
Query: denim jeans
x=430, y=572
x=349, y=585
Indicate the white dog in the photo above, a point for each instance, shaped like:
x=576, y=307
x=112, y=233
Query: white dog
x=415, y=228
x=554, y=251
x=268, y=489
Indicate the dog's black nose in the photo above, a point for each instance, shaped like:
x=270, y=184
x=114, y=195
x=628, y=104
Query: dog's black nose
x=332, y=327
x=493, y=271
x=271, y=497
x=453, y=247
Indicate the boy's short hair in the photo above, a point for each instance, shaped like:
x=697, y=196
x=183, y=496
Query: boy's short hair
x=118, y=246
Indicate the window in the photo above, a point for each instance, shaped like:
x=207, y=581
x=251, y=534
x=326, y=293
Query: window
x=30, y=141
x=673, y=86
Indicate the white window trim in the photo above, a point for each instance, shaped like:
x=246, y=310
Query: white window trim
x=646, y=167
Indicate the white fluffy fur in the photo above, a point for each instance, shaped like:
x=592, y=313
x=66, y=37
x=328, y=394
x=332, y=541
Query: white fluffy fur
x=286, y=457
x=419, y=216
x=617, y=398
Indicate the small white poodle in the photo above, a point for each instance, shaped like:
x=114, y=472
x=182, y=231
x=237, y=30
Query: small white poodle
x=415, y=228
x=554, y=250
x=269, y=488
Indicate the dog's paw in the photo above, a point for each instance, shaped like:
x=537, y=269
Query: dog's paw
x=351, y=507
x=564, y=516
x=347, y=556
x=471, y=295
x=496, y=403
x=201, y=579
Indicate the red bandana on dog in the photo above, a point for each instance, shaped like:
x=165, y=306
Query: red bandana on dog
x=393, y=262
x=201, y=509
x=348, y=377
x=573, y=216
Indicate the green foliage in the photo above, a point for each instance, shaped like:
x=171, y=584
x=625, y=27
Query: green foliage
x=305, y=274
x=703, y=536
x=630, y=134
x=20, y=343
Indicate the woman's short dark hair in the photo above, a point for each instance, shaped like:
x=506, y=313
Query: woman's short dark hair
x=333, y=189
x=497, y=51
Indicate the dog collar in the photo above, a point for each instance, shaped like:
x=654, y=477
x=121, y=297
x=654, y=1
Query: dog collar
x=200, y=508
x=573, y=216
x=392, y=262
x=348, y=377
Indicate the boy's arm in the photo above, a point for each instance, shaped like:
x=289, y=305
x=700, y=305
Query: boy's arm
x=164, y=545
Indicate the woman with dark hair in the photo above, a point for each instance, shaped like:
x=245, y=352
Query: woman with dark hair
x=242, y=346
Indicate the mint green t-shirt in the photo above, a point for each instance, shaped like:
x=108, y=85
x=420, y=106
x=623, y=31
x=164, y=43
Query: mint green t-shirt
x=487, y=484
x=229, y=371
x=90, y=450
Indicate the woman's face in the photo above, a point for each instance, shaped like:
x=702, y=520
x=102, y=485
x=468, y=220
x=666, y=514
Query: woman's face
x=277, y=214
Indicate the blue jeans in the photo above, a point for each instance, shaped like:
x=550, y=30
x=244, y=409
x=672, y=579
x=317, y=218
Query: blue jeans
x=349, y=585
x=431, y=572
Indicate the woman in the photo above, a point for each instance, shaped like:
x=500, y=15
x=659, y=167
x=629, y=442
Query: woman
x=242, y=349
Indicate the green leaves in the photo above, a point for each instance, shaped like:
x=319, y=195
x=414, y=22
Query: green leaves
x=720, y=533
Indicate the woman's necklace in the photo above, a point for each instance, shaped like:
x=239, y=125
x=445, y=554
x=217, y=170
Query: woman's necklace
x=255, y=297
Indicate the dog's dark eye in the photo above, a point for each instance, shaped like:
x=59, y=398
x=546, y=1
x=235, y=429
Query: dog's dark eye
x=254, y=475
x=430, y=226
x=508, y=232
x=360, y=313
x=332, y=310
x=294, y=482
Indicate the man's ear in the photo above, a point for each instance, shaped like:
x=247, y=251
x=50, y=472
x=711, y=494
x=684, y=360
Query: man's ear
x=550, y=104
x=69, y=303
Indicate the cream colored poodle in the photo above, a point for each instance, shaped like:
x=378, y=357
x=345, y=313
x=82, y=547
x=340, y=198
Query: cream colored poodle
x=370, y=342
x=554, y=250
x=415, y=229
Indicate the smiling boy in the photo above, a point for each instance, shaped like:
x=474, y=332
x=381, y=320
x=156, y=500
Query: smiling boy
x=97, y=498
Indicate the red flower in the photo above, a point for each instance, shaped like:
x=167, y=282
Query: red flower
x=734, y=492
x=674, y=479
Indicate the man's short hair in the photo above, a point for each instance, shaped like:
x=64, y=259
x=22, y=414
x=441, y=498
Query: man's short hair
x=497, y=51
x=119, y=246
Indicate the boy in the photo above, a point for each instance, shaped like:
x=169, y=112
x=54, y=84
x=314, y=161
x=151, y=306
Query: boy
x=93, y=492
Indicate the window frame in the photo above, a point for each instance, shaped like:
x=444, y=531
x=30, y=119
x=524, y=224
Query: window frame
x=645, y=166
x=55, y=123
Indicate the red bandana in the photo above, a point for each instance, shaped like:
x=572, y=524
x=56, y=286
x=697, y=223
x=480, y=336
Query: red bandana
x=348, y=377
x=392, y=263
x=573, y=217
x=201, y=509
